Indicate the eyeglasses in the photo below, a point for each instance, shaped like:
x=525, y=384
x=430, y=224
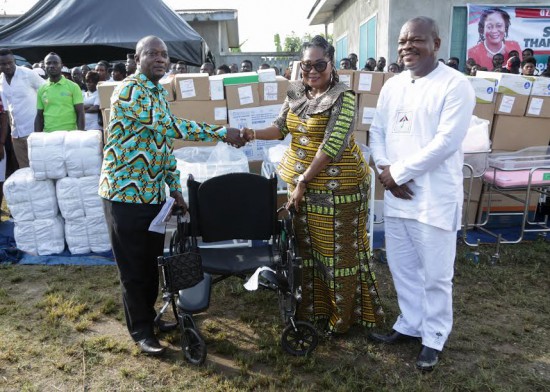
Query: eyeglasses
x=319, y=66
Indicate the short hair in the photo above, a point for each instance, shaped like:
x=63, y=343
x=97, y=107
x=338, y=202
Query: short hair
x=225, y=68
x=265, y=66
x=104, y=63
x=120, y=67
x=432, y=24
x=130, y=56
x=181, y=62
x=5, y=52
x=93, y=76
x=247, y=61
x=483, y=17
x=455, y=59
x=529, y=60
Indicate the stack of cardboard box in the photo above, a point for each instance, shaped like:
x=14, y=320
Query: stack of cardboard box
x=520, y=118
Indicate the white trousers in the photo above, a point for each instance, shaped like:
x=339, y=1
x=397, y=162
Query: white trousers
x=421, y=260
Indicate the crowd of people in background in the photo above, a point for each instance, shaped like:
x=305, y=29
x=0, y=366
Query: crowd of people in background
x=526, y=64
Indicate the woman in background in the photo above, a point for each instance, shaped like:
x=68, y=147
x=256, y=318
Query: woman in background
x=493, y=27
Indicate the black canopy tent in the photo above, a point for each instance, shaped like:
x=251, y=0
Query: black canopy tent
x=87, y=31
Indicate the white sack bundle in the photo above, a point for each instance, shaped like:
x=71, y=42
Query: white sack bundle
x=46, y=156
x=77, y=197
x=87, y=234
x=29, y=199
x=40, y=236
x=83, y=153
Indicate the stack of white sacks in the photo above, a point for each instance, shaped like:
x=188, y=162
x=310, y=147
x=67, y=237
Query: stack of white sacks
x=56, y=199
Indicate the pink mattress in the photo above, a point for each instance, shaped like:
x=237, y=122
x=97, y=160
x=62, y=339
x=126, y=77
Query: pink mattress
x=517, y=178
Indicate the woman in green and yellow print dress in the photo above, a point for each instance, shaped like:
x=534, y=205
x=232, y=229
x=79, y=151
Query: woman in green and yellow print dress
x=329, y=185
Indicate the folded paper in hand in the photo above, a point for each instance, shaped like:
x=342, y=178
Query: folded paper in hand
x=158, y=225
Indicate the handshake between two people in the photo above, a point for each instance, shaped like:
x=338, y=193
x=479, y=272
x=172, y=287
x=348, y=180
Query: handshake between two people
x=239, y=137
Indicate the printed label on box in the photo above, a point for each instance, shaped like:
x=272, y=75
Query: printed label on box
x=345, y=79
x=546, y=176
x=368, y=115
x=187, y=88
x=270, y=91
x=535, y=106
x=220, y=113
x=245, y=95
x=365, y=82
x=216, y=90
x=506, y=104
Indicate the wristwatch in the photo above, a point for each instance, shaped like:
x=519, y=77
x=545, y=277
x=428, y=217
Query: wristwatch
x=302, y=178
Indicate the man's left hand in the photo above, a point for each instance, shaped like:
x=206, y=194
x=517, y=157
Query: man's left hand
x=179, y=202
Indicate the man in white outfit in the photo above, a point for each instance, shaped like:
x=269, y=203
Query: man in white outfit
x=18, y=88
x=416, y=135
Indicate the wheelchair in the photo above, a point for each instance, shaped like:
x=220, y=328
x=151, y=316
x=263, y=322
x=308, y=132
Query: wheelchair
x=236, y=206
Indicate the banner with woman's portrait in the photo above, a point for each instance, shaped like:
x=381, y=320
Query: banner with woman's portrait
x=502, y=30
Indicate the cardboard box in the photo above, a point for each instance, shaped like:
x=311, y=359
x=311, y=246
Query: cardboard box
x=501, y=203
x=509, y=83
x=217, y=92
x=541, y=87
x=347, y=76
x=388, y=75
x=211, y=112
x=241, y=96
x=169, y=87
x=266, y=75
x=365, y=111
x=484, y=88
x=511, y=133
x=538, y=107
x=367, y=82
x=511, y=105
x=271, y=93
x=105, y=91
x=240, y=78
x=193, y=86
x=485, y=111
x=361, y=137
x=255, y=117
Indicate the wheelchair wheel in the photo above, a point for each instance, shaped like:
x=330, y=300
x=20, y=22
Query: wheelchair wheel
x=193, y=346
x=299, y=340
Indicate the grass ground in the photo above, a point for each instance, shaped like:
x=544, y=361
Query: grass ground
x=62, y=329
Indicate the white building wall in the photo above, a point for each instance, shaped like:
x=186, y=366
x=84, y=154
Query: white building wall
x=392, y=14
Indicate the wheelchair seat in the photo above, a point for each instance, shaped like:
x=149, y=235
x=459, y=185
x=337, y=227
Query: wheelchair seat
x=197, y=298
x=235, y=206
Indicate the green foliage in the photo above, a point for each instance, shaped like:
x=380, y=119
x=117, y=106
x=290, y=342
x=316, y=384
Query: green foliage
x=293, y=43
x=277, y=41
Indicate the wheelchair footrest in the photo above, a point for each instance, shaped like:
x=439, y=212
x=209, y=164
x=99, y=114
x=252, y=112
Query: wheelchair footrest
x=278, y=280
x=197, y=298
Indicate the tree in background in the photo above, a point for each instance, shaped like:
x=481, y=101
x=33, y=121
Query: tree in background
x=293, y=43
x=277, y=39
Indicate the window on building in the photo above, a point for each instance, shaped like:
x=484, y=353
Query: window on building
x=367, y=41
x=341, y=50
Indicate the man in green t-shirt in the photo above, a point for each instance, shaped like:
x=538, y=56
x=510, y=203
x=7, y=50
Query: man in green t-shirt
x=59, y=101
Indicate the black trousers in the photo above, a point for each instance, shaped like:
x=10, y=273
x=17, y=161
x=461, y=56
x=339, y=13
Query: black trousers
x=136, y=250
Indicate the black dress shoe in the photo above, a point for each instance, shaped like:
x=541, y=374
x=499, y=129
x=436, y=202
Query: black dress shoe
x=391, y=338
x=150, y=346
x=166, y=326
x=427, y=359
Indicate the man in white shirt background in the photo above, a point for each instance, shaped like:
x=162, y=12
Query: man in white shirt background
x=18, y=88
x=421, y=119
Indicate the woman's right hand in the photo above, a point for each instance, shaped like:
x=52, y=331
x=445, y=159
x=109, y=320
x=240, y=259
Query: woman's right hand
x=248, y=134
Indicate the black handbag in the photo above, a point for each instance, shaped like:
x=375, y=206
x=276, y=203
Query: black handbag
x=181, y=270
